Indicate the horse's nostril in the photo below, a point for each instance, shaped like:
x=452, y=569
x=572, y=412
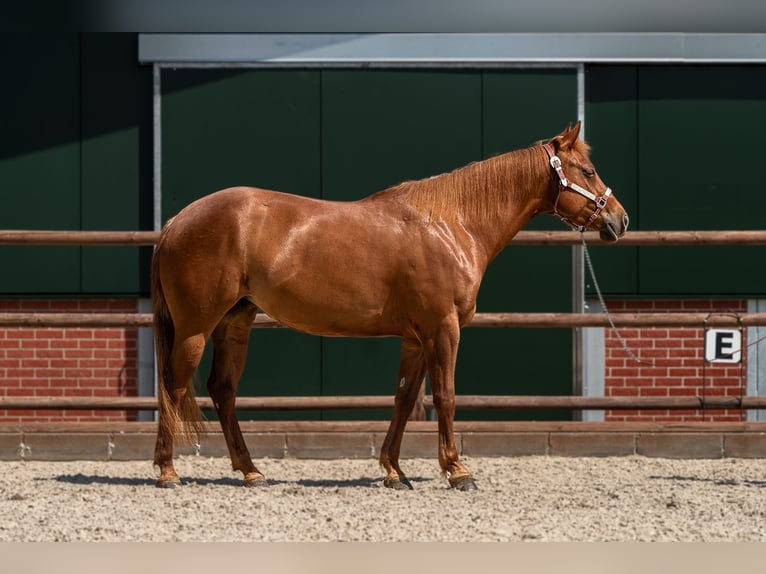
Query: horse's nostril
x=625, y=221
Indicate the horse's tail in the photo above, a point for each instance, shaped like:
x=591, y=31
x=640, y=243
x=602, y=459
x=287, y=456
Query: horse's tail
x=188, y=412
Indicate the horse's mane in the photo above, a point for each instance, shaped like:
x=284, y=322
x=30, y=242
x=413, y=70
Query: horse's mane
x=475, y=190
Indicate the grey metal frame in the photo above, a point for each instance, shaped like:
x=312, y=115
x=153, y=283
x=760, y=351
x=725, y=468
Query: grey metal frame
x=756, y=360
x=461, y=49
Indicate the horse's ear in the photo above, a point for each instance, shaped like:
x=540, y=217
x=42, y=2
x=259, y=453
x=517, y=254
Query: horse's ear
x=566, y=139
x=575, y=131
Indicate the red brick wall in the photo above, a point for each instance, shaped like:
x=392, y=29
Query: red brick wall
x=68, y=362
x=674, y=364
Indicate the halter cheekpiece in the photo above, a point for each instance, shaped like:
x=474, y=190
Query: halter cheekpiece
x=564, y=183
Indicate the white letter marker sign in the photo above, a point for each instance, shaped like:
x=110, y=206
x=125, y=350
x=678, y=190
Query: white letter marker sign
x=723, y=345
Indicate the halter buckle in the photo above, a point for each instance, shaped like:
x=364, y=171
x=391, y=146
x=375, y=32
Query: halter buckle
x=601, y=202
x=555, y=162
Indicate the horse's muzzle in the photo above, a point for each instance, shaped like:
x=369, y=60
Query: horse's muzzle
x=613, y=227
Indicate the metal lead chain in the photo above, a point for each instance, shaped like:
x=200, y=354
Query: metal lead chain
x=620, y=338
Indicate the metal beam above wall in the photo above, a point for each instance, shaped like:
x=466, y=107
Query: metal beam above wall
x=433, y=16
x=449, y=49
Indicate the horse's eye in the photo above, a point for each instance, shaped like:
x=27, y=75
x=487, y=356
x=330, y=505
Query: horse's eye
x=588, y=171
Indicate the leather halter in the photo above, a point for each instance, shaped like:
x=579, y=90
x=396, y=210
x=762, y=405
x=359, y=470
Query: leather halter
x=564, y=184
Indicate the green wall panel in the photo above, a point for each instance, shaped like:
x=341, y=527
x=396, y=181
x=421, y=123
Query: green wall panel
x=353, y=366
x=342, y=135
x=280, y=362
x=224, y=128
x=673, y=141
x=699, y=169
x=116, y=162
x=611, y=128
x=519, y=108
x=75, y=154
x=261, y=128
x=380, y=128
x=39, y=159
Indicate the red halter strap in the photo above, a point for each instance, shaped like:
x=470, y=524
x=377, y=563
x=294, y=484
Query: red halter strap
x=564, y=183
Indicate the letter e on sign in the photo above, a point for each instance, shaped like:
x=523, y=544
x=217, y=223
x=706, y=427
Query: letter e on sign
x=723, y=345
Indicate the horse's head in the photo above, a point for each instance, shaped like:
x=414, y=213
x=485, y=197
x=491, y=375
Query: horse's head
x=580, y=198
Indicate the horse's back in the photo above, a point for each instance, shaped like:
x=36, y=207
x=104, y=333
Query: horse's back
x=285, y=253
x=333, y=268
x=233, y=203
x=229, y=219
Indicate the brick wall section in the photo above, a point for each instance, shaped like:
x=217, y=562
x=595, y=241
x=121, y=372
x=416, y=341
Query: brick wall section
x=68, y=362
x=674, y=366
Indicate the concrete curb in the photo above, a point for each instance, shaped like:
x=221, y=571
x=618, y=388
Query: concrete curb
x=364, y=441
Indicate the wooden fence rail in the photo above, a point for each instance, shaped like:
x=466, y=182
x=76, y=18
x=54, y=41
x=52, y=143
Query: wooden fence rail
x=478, y=402
x=643, y=238
x=497, y=320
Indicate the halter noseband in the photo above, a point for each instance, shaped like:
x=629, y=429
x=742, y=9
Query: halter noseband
x=564, y=183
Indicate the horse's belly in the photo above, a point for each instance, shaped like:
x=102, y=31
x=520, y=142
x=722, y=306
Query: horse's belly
x=323, y=309
x=328, y=320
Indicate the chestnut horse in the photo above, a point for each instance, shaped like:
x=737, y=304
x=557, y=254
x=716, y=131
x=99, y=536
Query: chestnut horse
x=404, y=262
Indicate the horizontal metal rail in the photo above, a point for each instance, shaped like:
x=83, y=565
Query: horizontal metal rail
x=491, y=320
x=640, y=238
x=477, y=402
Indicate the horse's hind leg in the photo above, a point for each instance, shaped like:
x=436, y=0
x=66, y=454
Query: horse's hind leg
x=230, y=339
x=412, y=370
x=183, y=361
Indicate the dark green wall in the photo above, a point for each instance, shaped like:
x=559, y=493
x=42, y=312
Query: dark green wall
x=678, y=144
x=75, y=154
x=344, y=134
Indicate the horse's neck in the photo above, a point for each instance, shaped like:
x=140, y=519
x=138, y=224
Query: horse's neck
x=523, y=197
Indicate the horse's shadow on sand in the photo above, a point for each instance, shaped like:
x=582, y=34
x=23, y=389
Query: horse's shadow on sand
x=362, y=482
x=328, y=482
x=90, y=479
x=86, y=479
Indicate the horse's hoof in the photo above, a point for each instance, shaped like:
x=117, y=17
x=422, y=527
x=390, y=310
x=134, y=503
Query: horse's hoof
x=168, y=482
x=255, y=480
x=463, y=483
x=398, y=483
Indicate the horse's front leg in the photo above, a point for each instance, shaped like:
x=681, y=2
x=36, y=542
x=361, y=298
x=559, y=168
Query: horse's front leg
x=412, y=371
x=441, y=356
